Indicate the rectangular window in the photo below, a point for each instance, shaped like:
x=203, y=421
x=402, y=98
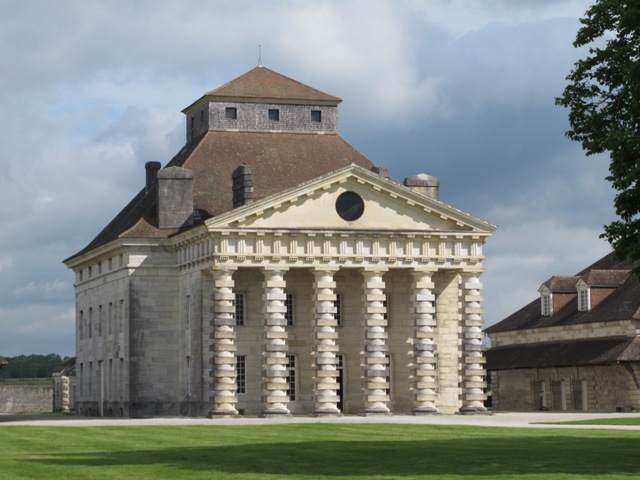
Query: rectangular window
x=338, y=305
x=241, y=374
x=316, y=116
x=110, y=318
x=240, y=310
x=231, y=113
x=99, y=320
x=90, y=322
x=385, y=304
x=291, y=377
x=81, y=379
x=289, y=313
x=583, y=300
x=81, y=325
x=274, y=114
x=121, y=316
x=546, y=305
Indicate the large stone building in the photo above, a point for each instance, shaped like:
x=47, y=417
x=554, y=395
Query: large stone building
x=576, y=347
x=269, y=268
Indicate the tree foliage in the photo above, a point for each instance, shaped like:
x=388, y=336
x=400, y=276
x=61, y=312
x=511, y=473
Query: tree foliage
x=603, y=98
x=31, y=366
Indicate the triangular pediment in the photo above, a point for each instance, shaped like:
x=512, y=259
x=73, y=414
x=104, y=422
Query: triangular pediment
x=387, y=206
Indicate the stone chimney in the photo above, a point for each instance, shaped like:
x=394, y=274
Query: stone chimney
x=175, y=197
x=383, y=172
x=424, y=184
x=242, y=185
x=152, y=173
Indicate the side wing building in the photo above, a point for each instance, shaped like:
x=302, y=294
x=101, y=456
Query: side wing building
x=270, y=269
x=576, y=347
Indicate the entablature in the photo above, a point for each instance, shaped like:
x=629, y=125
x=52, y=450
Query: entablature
x=348, y=248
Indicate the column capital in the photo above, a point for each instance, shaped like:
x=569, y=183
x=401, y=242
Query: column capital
x=217, y=267
x=325, y=268
x=431, y=270
x=373, y=269
x=274, y=268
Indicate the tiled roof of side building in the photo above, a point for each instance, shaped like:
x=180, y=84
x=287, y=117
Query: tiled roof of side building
x=623, y=303
x=566, y=353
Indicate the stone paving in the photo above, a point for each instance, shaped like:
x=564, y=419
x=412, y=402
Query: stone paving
x=500, y=419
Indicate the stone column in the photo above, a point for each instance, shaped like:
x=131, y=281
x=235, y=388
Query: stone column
x=64, y=393
x=473, y=372
x=274, y=375
x=224, y=399
x=326, y=387
x=424, y=347
x=376, y=362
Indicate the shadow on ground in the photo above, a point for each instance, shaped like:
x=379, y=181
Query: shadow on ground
x=462, y=456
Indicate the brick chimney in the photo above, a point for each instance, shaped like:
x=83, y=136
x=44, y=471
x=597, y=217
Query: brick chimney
x=242, y=185
x=152, y=174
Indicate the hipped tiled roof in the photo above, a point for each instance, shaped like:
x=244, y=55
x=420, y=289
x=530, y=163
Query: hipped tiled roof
x=623, y=303
x=279, y=161
x=262, y=83
x=581, y=352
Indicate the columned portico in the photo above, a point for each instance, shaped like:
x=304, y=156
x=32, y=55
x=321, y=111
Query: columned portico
x=473, y=371
x=274, y=386
x=326, y=387
x=376, y=357
x=424, y=347
x=224, y=396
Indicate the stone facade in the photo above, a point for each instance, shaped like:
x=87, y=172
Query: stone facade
x=290, y=303
x=590, y=389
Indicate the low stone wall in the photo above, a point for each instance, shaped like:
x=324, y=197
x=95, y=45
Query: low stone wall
x=26, y=398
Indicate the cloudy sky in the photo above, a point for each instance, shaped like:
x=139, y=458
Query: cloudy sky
x=462, y=89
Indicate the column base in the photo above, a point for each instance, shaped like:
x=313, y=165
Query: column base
x=275, y=413
x=326, y=412
x=221, y=414
x=425, y=411
x=474, y=411
x=376, y=412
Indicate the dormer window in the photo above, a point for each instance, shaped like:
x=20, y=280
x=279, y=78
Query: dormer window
x=316, y=116
x=231, y=113
x=584, y=296
x=546, y=301
x=274, y=114
x=547, y=304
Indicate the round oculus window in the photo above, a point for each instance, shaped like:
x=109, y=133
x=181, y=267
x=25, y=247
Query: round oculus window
x=349, y=206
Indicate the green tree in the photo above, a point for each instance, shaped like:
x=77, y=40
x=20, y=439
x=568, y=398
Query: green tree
x=31, y=366
x=603, y=98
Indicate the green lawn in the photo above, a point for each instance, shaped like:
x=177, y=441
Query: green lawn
x=315, y=451
x=634, y=421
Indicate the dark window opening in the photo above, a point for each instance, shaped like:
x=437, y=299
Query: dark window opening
x=274, y=114
x=316, y=116
x=350, y=206
x=231, y=113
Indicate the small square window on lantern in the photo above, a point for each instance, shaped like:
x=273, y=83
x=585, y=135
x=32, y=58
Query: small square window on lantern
x=274, y=114
x=316, y=116
x=231, y=113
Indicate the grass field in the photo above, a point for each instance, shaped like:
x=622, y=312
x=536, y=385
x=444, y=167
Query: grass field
x=633, y=421
x=317, y=451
